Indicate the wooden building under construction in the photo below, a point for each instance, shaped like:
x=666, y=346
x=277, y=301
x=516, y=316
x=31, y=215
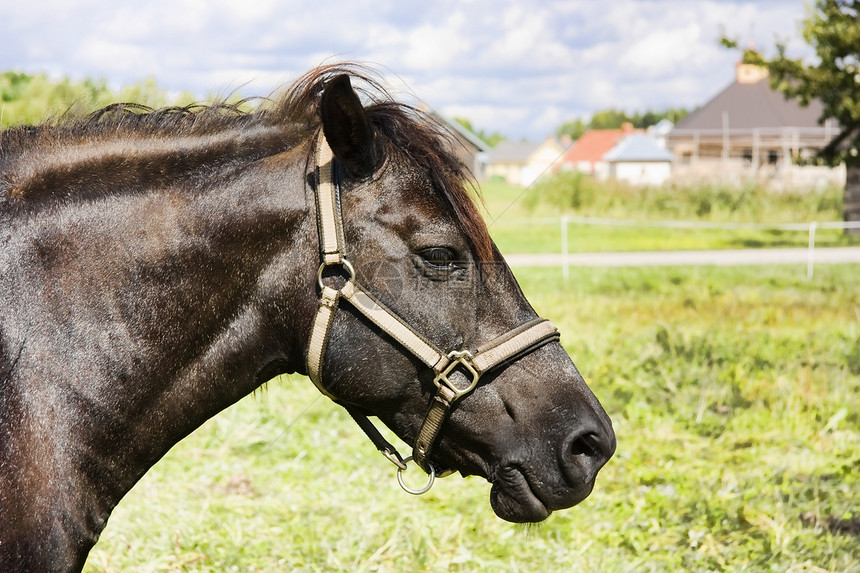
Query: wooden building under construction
x=751, y=132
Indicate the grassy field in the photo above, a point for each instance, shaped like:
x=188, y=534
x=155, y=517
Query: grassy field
x=527, y=220
x=735, y=395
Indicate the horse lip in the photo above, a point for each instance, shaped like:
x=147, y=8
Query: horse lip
x=513, y=498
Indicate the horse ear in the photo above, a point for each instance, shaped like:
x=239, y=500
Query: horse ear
x=347, y=128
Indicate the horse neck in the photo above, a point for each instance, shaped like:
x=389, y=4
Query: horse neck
x=46, y=165
x=138, y=316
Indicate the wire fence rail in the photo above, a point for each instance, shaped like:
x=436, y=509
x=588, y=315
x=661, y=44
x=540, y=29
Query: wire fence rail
x=810, y=228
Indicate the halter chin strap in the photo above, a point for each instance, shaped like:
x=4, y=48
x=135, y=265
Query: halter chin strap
x=464, y=365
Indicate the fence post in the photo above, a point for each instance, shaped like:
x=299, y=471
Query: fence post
x=811, y=264
x=565, y=271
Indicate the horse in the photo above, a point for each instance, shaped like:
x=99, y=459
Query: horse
x=157, y=265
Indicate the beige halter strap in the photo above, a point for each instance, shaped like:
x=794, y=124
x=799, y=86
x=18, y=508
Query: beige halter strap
x=472, y=365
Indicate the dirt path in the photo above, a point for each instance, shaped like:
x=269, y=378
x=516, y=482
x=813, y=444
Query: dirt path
x=685, y=258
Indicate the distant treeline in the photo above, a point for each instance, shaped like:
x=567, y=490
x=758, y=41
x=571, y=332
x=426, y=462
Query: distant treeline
x=604, y=119
x=34, y=98
x=31, y=99
x=614, y=119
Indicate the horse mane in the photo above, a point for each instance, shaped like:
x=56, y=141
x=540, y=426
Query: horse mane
x=133, y=147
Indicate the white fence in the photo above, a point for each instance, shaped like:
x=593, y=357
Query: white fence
x=810, y=228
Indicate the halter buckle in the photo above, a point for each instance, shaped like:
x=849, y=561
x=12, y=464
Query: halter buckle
x=458, y=358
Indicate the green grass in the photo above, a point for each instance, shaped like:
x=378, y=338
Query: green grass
x=527, y=220
x=734, y=392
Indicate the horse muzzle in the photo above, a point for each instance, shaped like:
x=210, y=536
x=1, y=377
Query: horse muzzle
x=518, y=495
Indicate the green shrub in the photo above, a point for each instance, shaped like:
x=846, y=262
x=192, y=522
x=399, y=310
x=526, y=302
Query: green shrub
x=580, y=194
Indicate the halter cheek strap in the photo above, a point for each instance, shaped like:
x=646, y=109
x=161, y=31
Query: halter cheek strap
x=463, y=365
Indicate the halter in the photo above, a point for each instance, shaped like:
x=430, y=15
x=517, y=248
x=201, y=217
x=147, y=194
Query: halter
x=462, y=363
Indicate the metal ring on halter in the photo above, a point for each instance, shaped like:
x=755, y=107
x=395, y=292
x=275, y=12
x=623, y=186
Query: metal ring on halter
x=343, y=263
x=425, y=489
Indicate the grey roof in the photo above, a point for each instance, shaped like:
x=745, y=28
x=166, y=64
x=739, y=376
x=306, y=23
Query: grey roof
x=513, y=151
x=750, y=106
x=466, y=134
x=637, y=147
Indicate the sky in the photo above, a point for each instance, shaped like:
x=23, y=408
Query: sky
x=520, y=68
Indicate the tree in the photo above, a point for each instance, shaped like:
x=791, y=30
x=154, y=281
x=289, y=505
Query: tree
x=573, y=128
x=491, y=139
x=832, y=29
x=609, y=119
x=32, y=99
x=614, y=119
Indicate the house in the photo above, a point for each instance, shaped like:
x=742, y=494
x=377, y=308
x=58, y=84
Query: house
x=638, y=159
x=522, y=162
x=586, y=155
x=626, y=154
x=750, y=131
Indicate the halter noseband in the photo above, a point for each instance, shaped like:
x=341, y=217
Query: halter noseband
x=472, y=365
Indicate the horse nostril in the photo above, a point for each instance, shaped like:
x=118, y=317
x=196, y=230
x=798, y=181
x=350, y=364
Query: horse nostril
x=588, y=450
x=585, y=445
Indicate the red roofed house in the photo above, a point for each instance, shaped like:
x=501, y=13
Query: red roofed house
x=587, y=153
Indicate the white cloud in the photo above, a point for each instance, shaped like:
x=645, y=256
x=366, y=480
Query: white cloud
x=113, y=57
x=514, y=66
x=660, y=53
x=433, y=48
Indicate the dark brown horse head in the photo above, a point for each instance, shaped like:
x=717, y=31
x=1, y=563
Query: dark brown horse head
x=418, y=246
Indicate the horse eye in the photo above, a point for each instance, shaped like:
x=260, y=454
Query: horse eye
x=438, y=256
